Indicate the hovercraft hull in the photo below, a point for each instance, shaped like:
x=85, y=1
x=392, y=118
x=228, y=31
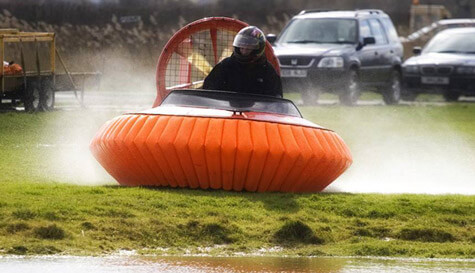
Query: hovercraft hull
x=219, y=153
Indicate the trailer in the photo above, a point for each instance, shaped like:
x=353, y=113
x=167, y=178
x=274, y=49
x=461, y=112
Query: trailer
x=34, y=81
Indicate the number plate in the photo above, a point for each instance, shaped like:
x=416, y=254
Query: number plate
x=435, y=80
x=293, y=73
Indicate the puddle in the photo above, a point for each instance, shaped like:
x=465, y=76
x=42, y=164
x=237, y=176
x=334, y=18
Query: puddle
x=139, y=264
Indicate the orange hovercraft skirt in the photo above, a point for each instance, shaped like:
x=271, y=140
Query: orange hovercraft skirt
x=232, y=153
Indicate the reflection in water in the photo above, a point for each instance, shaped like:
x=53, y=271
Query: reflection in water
x=123, y=264
x=262, y=264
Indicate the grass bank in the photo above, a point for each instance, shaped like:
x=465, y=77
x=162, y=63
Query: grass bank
x=83, y=220
x=41, y=212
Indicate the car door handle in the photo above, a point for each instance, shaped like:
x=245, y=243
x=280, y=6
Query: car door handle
x=391, y=51
x=376, y=53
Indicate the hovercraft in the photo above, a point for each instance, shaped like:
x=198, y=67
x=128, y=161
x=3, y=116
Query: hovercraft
x=214, y=139
x=221, y=140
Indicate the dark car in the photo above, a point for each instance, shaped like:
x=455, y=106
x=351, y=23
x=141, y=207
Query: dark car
x=445, y=66
x=343, y=52
x=423, y=35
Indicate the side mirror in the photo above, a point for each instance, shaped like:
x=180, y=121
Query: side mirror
x=271, y=38
x=369, y=41
x=366, y=41
x=417, y=50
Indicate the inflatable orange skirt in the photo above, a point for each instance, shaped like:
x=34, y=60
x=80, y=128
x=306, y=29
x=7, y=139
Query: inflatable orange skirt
x=220, y=149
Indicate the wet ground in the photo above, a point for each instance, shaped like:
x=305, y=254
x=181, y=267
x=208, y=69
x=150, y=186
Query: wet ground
x=133, y=101
x=125, y=264
x=422, y=156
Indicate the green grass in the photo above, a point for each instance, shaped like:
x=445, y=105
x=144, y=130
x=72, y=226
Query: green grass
x=83, y=220
x=41, y=212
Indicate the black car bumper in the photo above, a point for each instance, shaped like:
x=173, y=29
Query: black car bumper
x=464, y=85
x=325, y=80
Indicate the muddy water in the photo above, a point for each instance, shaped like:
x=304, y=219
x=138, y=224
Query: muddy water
x=123, y=264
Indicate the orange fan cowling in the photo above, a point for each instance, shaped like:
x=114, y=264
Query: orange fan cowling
x=219, y=153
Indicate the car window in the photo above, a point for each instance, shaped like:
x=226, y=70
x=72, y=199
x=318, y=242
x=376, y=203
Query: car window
x=390, y=30
x=322, y=30
x=378, y=32
x=458, y=43
x=365, y=31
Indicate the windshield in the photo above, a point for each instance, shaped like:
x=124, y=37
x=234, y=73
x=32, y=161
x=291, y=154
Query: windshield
x=231, y=101
x=461, y=43
x=338, y=31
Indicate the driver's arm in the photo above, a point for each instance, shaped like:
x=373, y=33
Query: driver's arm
x=274, y=82
x=216, y=78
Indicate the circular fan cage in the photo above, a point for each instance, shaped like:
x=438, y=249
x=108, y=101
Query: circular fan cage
x=194, y=50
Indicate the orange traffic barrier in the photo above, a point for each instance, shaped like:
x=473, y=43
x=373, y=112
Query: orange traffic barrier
x=219, y=153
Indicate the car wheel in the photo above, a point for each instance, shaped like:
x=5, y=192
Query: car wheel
x=31, y=99
x=392, y=93
x=47, y=97
x=310, y=95
x=451, y=96
x=350, y=95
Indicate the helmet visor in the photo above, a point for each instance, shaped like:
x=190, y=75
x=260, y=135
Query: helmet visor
x=244, y=41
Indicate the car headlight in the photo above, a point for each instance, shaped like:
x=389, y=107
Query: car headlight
x=466, y=70
x=331, y=62
x=411, y=69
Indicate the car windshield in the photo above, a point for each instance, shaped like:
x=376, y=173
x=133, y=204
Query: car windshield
x=338, y=31
x=459, y=43
x=231, y=101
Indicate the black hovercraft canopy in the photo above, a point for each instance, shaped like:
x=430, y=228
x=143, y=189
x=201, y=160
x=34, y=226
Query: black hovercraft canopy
x=231, y=101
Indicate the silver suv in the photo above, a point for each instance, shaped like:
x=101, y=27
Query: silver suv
x=343, y=52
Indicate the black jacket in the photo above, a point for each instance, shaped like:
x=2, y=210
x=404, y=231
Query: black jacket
x=255, y=78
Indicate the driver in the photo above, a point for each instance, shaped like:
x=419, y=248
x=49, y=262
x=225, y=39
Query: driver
x=247, y=70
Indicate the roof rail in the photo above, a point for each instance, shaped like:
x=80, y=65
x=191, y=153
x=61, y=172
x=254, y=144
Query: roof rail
x=305, y=11
x=370, y=11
